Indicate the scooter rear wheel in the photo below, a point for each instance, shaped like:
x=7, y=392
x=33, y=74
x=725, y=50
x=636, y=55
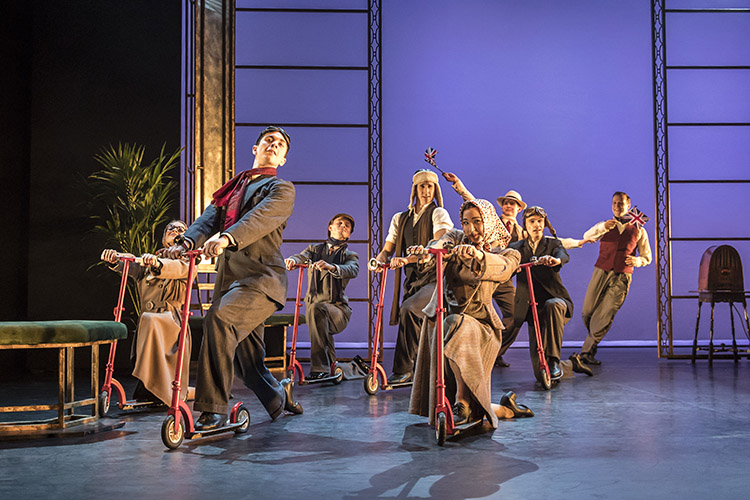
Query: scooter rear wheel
x=441, y=428
x=339, y=374
x=546, y=380
x=371, y=384
x=242, y=414
x=172, y=437
x=103, y=403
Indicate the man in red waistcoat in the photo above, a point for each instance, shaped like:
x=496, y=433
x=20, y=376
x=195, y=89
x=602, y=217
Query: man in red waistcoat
x=619, y=242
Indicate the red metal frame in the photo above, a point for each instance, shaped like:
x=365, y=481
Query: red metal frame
x=375, y=367
x=535, y=314
x=295, y=365
x=442, y=405
x=109, y=380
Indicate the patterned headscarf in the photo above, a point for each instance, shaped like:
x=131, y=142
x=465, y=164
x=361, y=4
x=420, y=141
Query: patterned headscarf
x=495, y=233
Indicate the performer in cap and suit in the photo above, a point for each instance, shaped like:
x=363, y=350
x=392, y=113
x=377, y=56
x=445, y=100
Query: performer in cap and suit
x=249, y=213
x=330, y=267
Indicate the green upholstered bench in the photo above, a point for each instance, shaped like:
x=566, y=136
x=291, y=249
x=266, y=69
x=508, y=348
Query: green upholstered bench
x=64, y=336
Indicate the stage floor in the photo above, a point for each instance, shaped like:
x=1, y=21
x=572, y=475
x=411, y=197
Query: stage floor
x=640, y=428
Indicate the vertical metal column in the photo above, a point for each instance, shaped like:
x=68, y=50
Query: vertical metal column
x=214, y=99
x=661, y=163
x=375, y=151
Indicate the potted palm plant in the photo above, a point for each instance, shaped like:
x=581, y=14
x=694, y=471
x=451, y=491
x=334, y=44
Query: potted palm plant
x=130, y=199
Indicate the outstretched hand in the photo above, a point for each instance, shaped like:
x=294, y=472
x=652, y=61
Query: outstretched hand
x=450, y=177
x=549, y=261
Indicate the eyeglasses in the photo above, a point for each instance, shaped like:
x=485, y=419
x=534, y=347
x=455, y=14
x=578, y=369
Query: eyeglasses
x=534, y=211
x=176, y=227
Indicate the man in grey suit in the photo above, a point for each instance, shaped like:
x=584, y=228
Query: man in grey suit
x=243, y=228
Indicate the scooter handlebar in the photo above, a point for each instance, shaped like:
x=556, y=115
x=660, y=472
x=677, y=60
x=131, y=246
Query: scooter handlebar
x=374, y=264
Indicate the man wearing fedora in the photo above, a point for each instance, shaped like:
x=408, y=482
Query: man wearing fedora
x=425, y=220
x=511, y=204
x=330, y=267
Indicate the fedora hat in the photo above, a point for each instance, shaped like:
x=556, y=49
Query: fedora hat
x=512, y=195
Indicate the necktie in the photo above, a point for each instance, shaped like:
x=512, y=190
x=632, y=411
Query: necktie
x=508, y=225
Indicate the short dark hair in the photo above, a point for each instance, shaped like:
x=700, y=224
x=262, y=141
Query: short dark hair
x=621, y=193
x=342, y=216
x=270, y=130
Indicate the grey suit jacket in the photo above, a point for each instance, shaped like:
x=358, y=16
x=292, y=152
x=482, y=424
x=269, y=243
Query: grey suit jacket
x=346, y=270
x=256, y=260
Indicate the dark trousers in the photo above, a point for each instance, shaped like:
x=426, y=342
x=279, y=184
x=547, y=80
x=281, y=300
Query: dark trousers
x=323, y=322
x=409, y=327
x=504, y=298
x=552, y=320
x=233, y=339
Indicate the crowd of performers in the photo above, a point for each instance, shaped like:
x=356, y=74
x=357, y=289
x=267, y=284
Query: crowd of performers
x=243, y=228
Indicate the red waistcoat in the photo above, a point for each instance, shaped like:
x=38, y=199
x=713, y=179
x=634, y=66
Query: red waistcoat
x=615, y=246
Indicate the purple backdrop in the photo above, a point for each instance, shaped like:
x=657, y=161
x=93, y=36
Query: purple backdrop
x=551, y=98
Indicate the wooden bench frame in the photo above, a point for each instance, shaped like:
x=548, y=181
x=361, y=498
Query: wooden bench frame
x=66, y=403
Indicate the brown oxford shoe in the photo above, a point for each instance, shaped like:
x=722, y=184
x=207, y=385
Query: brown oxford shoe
x=209, y=421
x=578, y=365
x=290, y=405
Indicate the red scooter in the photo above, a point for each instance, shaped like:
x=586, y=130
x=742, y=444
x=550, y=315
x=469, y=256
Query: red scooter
x=543, y=365
x=336, y=374
x=444, y=425
x=179, y=424
x=110, y=382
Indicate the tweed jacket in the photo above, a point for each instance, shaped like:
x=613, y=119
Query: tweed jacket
x=255, y=261
x=545, y=278
x=324, y=280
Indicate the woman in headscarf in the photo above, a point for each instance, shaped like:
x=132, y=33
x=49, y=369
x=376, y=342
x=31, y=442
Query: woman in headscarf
x=476, y=265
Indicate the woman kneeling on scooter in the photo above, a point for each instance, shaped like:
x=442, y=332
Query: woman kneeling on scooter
x=477, y=264
x=162, y=284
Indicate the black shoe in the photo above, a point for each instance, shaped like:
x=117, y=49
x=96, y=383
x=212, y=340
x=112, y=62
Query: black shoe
x=361, y=363
x=501, y=362
x=578, y=365
x=316, y=375
x=519, y=411
x=461, y=413
x=399, y=378
x=588, y=358
x=555, y=372
x=290, y=405
x=208, y=421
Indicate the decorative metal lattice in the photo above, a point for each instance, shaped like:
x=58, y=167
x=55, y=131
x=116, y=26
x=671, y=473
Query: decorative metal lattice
x=375, y=174
x=661, y=164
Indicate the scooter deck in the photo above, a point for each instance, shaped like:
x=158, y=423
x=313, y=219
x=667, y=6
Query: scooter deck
x=133, y=405
x=397, y=386
x=463, y=428
x=307, y=381
x=218, y=430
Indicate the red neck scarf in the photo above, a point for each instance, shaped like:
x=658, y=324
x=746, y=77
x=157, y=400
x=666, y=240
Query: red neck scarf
x=232, y=193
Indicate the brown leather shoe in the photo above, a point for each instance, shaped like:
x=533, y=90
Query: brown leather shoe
x=290, y=405
x=578, y=365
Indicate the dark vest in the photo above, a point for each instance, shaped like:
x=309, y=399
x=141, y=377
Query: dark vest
x=615, y=246
x=410, y=234
x=329, y=288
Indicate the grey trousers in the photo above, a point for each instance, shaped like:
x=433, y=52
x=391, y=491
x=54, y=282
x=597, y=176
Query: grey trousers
x=324, y=320
x=409, y=326
x=552, y=320
x=233, y=339
x=604, y=296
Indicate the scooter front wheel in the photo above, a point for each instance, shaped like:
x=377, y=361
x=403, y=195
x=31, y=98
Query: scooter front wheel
x=441, y=428
x=172, y=435
x=546, y=380
x=371, y=384
x=103, y=403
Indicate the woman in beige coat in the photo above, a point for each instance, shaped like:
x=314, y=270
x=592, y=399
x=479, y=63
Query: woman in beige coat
x=477, y=264
x=162, y=284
